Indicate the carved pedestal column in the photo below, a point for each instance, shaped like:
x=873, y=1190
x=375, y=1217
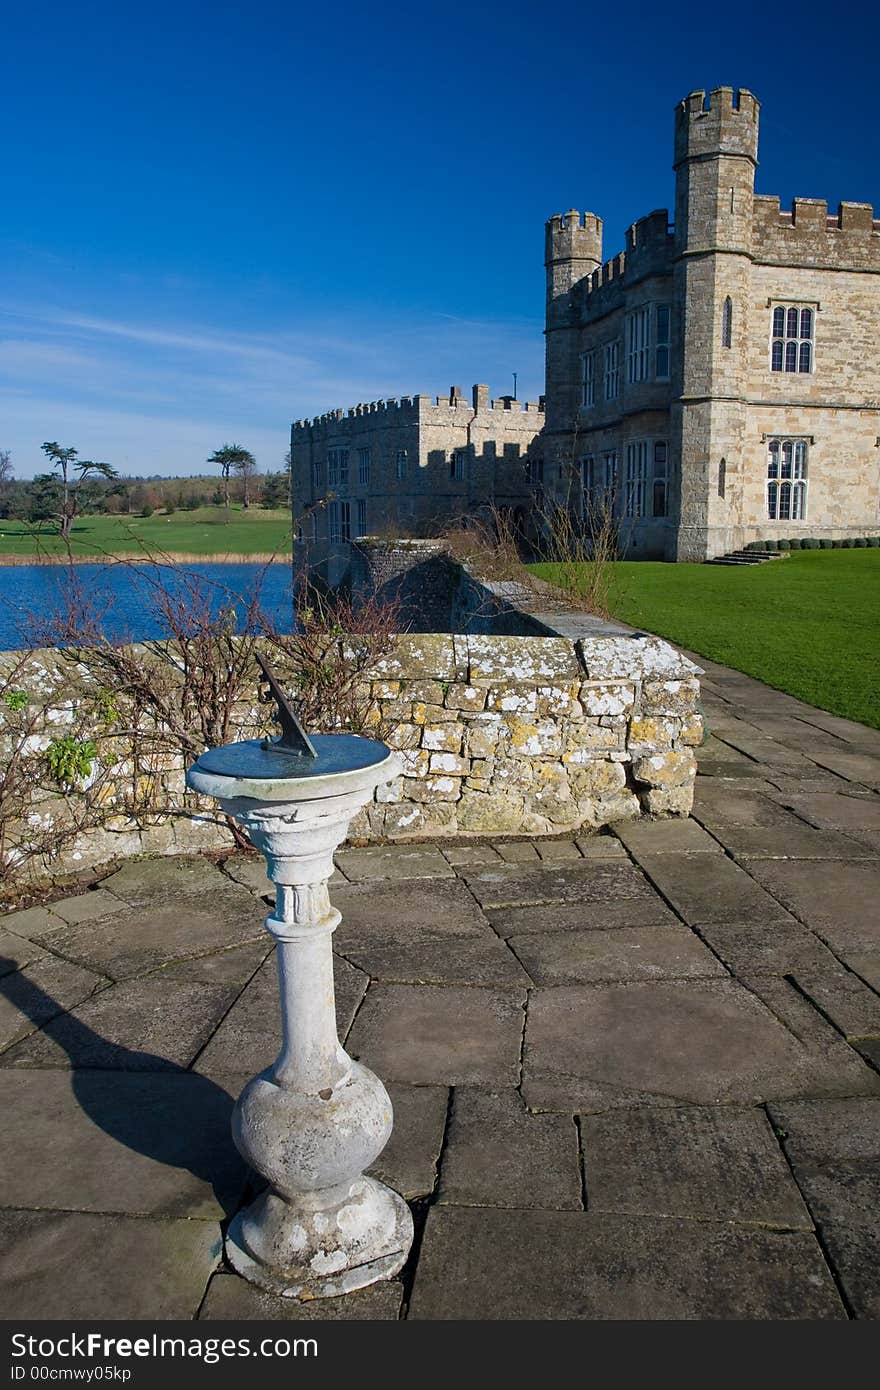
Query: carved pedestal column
x=312, y=1122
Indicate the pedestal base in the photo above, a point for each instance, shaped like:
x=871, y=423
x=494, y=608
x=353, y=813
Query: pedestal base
x=354, y=1244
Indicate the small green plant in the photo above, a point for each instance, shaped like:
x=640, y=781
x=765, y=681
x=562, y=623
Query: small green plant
x=15, y=699
x=106, y=708
x=70, y=759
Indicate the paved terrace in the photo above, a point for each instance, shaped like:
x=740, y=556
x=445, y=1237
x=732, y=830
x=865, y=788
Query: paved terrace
x=634, y=1075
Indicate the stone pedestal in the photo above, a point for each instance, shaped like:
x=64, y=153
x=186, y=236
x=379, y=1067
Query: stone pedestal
x=312, y=1122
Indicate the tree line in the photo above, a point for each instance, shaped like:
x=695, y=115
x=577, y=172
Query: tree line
x=77, y=486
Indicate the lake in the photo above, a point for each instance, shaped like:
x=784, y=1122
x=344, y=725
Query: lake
x=128, y=596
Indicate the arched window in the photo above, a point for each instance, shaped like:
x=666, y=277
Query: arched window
x=787, y=480
x=727, y=323
x=722, y=478
x=791, y=343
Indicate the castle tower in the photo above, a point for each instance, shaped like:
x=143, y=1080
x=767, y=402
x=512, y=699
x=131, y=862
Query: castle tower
x=716, y=149
x=572, y=251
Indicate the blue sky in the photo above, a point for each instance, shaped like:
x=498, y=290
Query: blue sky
x=218, y=218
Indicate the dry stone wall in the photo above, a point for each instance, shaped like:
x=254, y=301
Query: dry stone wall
x=498, y=735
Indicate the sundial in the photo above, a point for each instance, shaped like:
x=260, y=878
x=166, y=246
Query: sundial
x=296, y=753
x=314, y=1121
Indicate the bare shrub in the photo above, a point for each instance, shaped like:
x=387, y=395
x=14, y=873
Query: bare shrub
x=138, y=713
x=582, y=543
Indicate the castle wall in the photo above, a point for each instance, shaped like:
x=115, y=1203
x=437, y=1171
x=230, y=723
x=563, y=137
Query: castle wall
x=425, y=493
x=722, y=400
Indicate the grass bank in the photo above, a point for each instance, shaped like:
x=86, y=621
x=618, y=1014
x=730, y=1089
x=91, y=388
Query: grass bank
x=206, y=533
x=807, y=624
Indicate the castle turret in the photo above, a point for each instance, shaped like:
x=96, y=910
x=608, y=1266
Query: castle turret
x=716, y=152
x=572, y=251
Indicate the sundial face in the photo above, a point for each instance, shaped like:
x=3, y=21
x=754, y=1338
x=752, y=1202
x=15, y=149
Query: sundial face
x=295, y=755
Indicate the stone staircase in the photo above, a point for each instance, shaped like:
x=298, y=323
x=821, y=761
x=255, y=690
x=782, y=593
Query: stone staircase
x=748, y=557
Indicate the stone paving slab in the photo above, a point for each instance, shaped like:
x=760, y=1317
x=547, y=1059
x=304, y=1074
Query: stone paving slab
x=717, y=805
x=557, y=851
x=141, y=1025
x=838, y=900
x=854, y=766
x=34, y=923
x=666, y=837
x=436, y=1035
x=695, y=1042
x=385, y=914
x=553, y=918
x=410, y=1159
x=600, y=847
x=457, y=960
x=142, y=939
x=596, y=882
x=391, y=862
x=519, y=852
x=16, y=952
x=495, y=1264
x=788, y=842
x=709, y=1164
x=706, y=888
x=78, y=1266
x=138, y=1143
x=499, y=1155
x=466, y=856
x=629, y=953
x=44, y=988
x=249, y=1037
x=832, y=811
x=87, y=907
x=230, y=1299
x=845, y=1000
x=834, y=1150
x=784, y=948
x=141, y=880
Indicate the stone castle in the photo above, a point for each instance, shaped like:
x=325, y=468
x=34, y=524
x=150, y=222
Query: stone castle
x=406, y=467
x=718, y=382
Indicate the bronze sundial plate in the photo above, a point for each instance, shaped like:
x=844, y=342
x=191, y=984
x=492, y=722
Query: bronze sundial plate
x=335, y=753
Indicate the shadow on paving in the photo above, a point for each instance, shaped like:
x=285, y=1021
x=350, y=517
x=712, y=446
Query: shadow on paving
x=159, y=1131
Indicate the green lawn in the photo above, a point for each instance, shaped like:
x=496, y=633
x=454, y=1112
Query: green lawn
x=204, y=531
x=807, y=624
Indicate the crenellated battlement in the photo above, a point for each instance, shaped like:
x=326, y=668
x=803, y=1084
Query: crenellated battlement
x=573, y=236
x=409, y=409
x=723, y=123
x=649, y=248
x=807, y=234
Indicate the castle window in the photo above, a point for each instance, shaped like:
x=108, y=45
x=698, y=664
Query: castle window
x=661, y=343
x=791, y=346
x=727, y=323
x=345, y=521
x=722, y=478
x=314, y=526
x=333, y=523
x=536, y=472
x=636, y=479
x=337, y=468
x=456, y=465
x=612, y=370
x=317, y=476
x=588, y=379
x=599, y=477
x=787, y=479
x=401, y=463
x=638, y=349
x=660, y=497
x=364, y=467
x=361, y=517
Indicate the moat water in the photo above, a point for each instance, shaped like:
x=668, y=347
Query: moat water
x=127, y=599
